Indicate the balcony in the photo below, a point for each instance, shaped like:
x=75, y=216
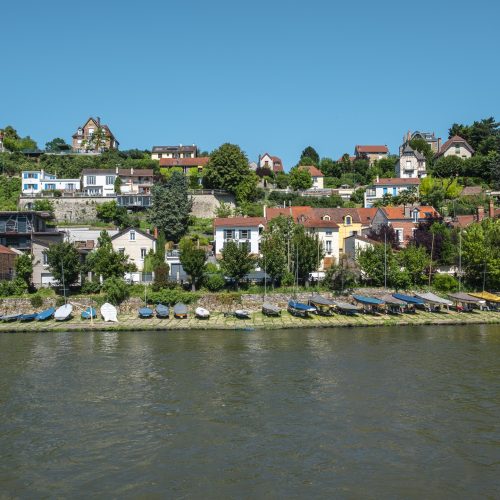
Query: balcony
x=134, y=200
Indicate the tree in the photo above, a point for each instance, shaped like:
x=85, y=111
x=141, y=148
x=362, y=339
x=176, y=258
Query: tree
x=110, y=211
x=236, y=261
x=281, y=180
x=379, y=266
x=117, y=185
x=44, y=206
x=64, y=258
x=228, y=169
x=193, y=260
x=57, y=145
x=416, y=262
x=105, y=262
x=310, y=153
x=386, y=234
x=13, y=142
x=436, y=237
x=299, y=179
x=24, y=268
x=330, y=168
x=96, y=141
x=115, y=290
x=448, y=166
x=307, y=253
x=273, y=248
x=342, y=276
x=171, y=207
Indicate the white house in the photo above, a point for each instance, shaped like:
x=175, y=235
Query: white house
x=456, y=146
x=392, y=186
x=242, y=230
x=36, y=181
x=273, y=163
x=355, y=243
x=316, y=175
x=411, y=163
x=134, y=243
x=99, y=181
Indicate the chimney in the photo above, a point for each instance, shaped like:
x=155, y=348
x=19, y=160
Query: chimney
x=156, y=232
x=378, y=179
x=407, y=211
x=480, y=213
x=131, y=170
x=491, y=209
x=439, y=144
x=265, y=211
x=116, y=170
x=98, y=119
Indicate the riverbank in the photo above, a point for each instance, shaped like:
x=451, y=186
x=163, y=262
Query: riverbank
x=257, y=320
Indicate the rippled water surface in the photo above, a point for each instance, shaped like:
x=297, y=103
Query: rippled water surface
x=302, y=413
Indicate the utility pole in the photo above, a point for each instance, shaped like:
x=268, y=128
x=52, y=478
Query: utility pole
x=430, y=265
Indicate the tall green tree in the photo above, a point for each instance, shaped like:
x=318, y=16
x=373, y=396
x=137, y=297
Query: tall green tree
x=273, y=248
x=311, y=153
x=105, y=262
x=57, y=145
x=228, y=169
x=193, y=260
x=171, y=207
x=110, y=211
x=300, y=179
x=64, y=258
x=307, y=253
x=415, y=260
x=24, y=268
x=236, y=261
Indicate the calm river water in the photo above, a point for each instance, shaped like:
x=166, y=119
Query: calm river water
x=380, y=412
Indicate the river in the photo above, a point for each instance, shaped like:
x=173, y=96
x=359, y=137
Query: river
x=367, y=413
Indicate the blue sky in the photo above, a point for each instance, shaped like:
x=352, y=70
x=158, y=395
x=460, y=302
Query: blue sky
x=269, y=75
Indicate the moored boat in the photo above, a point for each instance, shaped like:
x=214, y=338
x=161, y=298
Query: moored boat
x=162, y=311
x=180, y=311
x=299, y=309
x=465, y=302
x=394, y=305
x=242, y=314
x=346, y=307
x=11, y=317
x=269, y=309
x=433, y=301
x=145, y=312
x=28, y=317
x=63, y=313
x=108, y=312
x=45, y=315
x=323, y=306
x=89, y=313
x=202, y=313
x=412, y=302
x=370, y=304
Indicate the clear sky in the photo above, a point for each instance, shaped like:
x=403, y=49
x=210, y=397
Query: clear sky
x=268, y=75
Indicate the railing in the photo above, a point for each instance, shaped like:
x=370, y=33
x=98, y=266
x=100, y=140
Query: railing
x=208, y=191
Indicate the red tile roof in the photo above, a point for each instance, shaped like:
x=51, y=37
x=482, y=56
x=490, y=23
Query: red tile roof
x=277, y=164
x=239, y=221
x=371, y=149
x=397, y=181
x=448, y=144
x=393, y=213
x=315, y=172
x=293, y=212
x=6, y=251
x=463, y=220
x=366, y=215
x=201, y=161
x=137, y=172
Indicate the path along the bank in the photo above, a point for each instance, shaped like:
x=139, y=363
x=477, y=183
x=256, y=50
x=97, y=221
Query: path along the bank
x=218, y=321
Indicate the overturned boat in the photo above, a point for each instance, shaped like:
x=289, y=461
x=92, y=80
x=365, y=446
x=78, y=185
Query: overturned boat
x=63, y=313
x=108, y=312
x=180, y=311
x=465, y=302
x=300, y=309
x=162, y=311
x=323, y=306
x=269, y=309
x=202, y=313
x=346, y=308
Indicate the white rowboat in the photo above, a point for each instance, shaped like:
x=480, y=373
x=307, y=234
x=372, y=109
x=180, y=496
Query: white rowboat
x=108, y=312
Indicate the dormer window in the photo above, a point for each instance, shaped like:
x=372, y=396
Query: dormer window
x=80, y=131
x=415, y=215
x=347, y=220
x=325, y=217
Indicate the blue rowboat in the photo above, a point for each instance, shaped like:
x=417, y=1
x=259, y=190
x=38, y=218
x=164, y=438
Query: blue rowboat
x=145, y=312
x=409, y=299
x=162, y=311
x=299, y=309
x=89, y=313
x=11, y=317
x=45, y=315
x=370, y=304
x=28, y=317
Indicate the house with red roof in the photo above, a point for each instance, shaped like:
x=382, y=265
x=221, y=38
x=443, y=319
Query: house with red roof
x=371, y=153
x=273, y=163
x=245, y=231
x=388, y=186
x=456, y=146
x=404, y=219
x=316, y=175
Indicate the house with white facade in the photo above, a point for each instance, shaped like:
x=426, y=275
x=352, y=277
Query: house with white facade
x=393, y=186
x=411, y=163
x=180, y=151
x=36, y=181
x=135, y=243
x=245, y=231
x=316, y=176
x=98, y=181
x=356, y=243
x=273, y=163
x=456, y=146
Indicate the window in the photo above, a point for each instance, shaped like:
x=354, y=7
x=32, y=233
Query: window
x=415, y=215
x=348, y=220
x=245, y=244
x=132, y=235
x=325, y=217
x=91, y=131
x=394, y=191
x=244, y=234
x=408, y=165
x=45, y=259
x=110, y=179
x=80, y=131
x=91, y=180
x=399, y=234
x=70, y=187
x=328, y=232
x=144, y=252
x=121, y=250
x=160, y=156
x=228, y=234
x=457, y=149
x=328, y=247
x=385, y=190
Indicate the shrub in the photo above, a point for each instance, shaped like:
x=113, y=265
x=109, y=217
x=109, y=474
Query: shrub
x=15, y=287
x=171, y=297
x=60, y=301
x=91, y=287
x=214, y=282
x=162, y=273
x=36, y=301
x=288, y=279
x=116, y=290
x=445, y=283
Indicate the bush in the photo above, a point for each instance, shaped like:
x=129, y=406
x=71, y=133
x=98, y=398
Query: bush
x=171, y=297
x=288, y=279
x=15, y=287
x=445, y=283
x=116, y=290
x=60, y=301
x=162, y=273
x=214, y=282
x=36, y=301
x=91, y=287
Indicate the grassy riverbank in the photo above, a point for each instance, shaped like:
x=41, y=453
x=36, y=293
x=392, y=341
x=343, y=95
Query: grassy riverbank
x=257, y=321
